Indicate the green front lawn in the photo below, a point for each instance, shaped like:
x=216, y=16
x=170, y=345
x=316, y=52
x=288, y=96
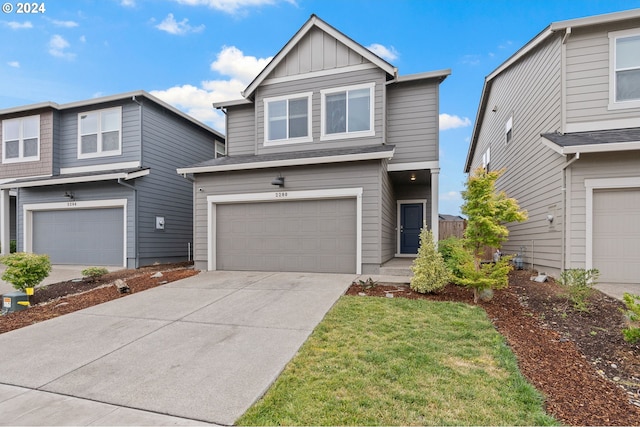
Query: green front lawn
x=377, y=361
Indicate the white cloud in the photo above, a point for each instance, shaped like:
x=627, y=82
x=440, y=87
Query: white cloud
x=171, y=26
x=58, y=47
x=450, y=196
x=18, y=25
x=231, y=6
x=64, y=24
x=14, y=64
x=387, y=53
x=128, y=3
x=452, y=122
x=197, y=101
x=83, y=39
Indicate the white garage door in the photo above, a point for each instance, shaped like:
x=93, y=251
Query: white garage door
x=80, y=236
x=616, y=235
x=310, y=235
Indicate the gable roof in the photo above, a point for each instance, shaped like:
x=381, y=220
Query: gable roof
x=314, y=21
x=553, y=29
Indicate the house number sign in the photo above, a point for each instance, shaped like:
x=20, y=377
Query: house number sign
x=72, y=204
x=281, y=194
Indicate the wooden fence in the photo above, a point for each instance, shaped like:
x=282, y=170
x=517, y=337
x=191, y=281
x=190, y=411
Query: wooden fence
x=451, y=228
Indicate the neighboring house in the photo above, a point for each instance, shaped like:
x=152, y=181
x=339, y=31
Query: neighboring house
x=562, y=115
x=332, y=166
x=94, y=181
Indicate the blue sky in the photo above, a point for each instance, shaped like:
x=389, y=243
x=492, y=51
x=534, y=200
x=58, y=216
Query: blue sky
x=191, y=53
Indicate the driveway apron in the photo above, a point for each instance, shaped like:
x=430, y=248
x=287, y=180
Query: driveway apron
x=204, y=348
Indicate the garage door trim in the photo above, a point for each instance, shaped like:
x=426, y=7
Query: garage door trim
x=600, y=184
x=281, y=196
x=28, y=210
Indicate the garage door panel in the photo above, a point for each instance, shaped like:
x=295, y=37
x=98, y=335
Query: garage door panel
x=310, y=235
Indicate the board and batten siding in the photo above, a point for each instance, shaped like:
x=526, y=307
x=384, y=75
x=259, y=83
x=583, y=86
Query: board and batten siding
x=241, y=130
x=373, y=75
x=364, y=175
x=592, y=166
x=530, y=92
x=169, y=142
x=588, y=76
x=412, y=121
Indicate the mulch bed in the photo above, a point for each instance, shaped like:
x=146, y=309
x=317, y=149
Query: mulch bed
x=588, y=374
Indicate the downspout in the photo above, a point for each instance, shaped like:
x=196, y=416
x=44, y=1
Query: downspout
x=135, y=192
x=565, y=221
x=135, y=203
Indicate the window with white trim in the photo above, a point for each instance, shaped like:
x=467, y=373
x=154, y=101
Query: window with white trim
x=347, y=112
x=486, y=159
x=625, y=68
x=287, y=119
x=100, y=133
x=21, y=139
x=508, y=130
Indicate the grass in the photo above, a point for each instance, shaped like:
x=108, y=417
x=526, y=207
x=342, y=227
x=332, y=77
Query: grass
x=376, y=361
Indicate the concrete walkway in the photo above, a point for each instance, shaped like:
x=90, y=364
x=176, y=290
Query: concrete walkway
x=203, y=349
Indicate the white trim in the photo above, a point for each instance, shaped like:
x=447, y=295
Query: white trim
x=100, y=152
x=613, y=38
x=598, y=148
x=633, y=122
x=508, y=127
x=28, y=210
x=346, y=134
x=77, y=179
x=399, y=222
x=21, y=158
x=315, y=74
x=99, y=168
x=599, y=184
x=281, y=196
x=398, y=167
x=290, y=162
x=284, y=141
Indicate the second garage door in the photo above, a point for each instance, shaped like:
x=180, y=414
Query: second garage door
x=310, y=236
x=80, y=236
x=616, y=235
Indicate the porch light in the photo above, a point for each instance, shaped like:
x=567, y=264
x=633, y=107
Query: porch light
x=413, y=177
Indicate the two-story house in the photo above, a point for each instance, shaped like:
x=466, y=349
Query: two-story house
x=562, y=115
x=332, y=163
x=94, y=183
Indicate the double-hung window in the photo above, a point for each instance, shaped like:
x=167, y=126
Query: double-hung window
x=100, y=133
x=347, y=112
x=625, y=69
x=21, y=139
x=287, y=119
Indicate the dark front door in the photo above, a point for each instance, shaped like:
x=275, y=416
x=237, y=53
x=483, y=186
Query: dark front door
x=411, y=220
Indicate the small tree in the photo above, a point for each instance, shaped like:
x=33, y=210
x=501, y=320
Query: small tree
x=429, y=270
x=487, y=210
x=25, y=270
x=632, y=332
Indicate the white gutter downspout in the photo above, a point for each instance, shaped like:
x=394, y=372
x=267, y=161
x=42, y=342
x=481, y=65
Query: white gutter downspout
x=135, y=204
x=565, y=221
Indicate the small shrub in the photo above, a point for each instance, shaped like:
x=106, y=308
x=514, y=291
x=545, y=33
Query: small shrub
x=94, y=272
x=454, y=255
x=632, y=332
x=429, y=270
x=491, y=275
x=25, y=270
x=578, y=284
x=12, y=246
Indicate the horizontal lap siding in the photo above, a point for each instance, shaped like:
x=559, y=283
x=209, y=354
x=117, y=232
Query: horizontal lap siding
x=412, y=121
x=241, y=123
x=350, y=175
x=530, y=92
x=388, y=218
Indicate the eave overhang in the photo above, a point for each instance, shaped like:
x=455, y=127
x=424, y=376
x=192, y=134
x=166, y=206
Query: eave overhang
x=79, y=178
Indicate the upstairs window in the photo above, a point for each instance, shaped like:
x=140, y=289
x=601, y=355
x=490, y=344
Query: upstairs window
x=508, y=130
x=100, y=133
x=287, y=119
x=625, y=68
x=347, y=112
x=486, y=159
x=21, y=139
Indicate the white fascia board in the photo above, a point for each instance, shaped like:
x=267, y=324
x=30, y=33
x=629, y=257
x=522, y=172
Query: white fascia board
x=596, y=20
x=335, y=193
x=555, y=147
x=440, y=74
x=25, y=108
x=231, y=103
x=99, y=168
x=397, y=167
x=602, y=148
x=289, y=162
x=76, y=179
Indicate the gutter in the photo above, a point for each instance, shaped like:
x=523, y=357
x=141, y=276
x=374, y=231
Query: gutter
x=564, y=239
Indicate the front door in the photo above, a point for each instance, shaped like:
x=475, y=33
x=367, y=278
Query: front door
x=411, y=221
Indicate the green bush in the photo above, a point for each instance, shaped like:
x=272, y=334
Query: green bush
x=578, y=284
x=491, y=275
x=454, y=255
x=94, y=272
x=25, y=270
x=12, y=246
x=632, y=333
x=429, y=270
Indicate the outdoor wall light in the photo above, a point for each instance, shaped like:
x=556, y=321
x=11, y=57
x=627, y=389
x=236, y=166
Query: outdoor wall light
x=550, y=218
x=412, y=177
x=279, y=181
x=69, y=194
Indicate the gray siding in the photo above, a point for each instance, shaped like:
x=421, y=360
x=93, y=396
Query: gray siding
x=412, y=121
x=590, y=166
x=313, y=85
x=241, y=129
x=530, y=92
x=587, y=70
x=366, y=175
x=169, y=143
x=388, y=217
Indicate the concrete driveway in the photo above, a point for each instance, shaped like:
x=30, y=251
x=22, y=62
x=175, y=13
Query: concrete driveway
x=203, y=348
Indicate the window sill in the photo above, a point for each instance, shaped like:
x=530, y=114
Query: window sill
x=286, y=142
x=347, y=135
x=98, y=155
x=624, y=105
x=22, y=160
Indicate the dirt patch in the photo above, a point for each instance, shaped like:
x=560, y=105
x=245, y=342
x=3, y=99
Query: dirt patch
x=579, y=361
x=66, y=297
